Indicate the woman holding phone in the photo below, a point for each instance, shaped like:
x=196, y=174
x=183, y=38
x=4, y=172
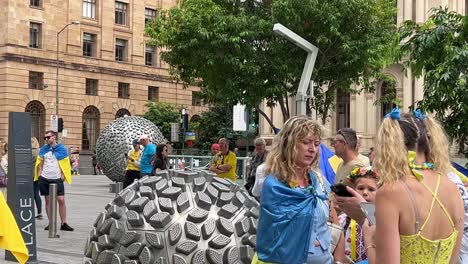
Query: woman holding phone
x=419, y=210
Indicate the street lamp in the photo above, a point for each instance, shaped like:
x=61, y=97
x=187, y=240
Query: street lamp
x=312, y=51
x=57, y=67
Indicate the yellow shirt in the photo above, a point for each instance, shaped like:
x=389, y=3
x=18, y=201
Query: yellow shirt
x=230, y=159
x=135, y=156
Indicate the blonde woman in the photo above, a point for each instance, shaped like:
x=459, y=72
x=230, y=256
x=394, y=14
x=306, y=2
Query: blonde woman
x=37, y=197
x=294, y=210
x=419, y=210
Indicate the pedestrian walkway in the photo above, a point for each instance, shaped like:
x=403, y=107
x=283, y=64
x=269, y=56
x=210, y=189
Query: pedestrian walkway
x=86, y=197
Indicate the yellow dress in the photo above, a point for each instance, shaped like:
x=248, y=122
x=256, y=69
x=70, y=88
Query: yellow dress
x=417, y=249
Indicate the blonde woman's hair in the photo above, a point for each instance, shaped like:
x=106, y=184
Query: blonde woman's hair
x=34, y=148
x=396, y=137
x=281, y=159
x=438, y=145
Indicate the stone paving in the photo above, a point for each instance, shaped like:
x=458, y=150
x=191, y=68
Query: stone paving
x=85, y=198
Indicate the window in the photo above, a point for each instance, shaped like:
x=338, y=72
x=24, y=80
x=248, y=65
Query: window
x=197, y=99
x=121, y=13
x=90, y=128
x=35, y=32
x=124, y=90
x=153, y=93
x=36, y=80
x=122, y=112
x=149, y=55
x=91, y=87
x=120, y=49
x=89, y=8
x=37, y=111
x=150, y=14
x=89, y=45
x=342, y=110
x=35, y=3
x=389, y=93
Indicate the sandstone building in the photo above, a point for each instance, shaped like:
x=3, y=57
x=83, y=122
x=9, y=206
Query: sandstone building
x=358, y=110
x=106, y=67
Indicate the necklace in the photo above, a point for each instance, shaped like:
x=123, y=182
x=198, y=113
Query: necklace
x=415, y=168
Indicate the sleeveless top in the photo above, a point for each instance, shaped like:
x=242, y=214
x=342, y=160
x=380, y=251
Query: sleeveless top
x=419, y=249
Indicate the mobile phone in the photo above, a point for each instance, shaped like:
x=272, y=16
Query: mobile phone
x=369, y=210
x=126, y=155
x=340, y=190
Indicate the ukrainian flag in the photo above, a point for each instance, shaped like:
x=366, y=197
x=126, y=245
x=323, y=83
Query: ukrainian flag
x=10, y=235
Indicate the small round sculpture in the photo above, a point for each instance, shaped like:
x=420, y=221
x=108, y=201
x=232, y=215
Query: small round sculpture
x=116, y=139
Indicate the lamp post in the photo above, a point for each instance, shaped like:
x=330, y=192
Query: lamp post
x=57, y=67
x=312, y=51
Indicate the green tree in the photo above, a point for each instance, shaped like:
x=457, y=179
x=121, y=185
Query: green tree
x=162, y=115
x=438, y=51
x=228, y=47
x=213, y=125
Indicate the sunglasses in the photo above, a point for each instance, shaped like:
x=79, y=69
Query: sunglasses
x=47, y=137
x=336, y=141
x=343, y=135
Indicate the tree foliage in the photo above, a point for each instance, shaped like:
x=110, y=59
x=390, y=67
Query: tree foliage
x=162, y=115
x=438, y=51
x=228, y=48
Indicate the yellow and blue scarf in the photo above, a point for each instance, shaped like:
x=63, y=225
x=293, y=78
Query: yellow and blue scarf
x=61, y=154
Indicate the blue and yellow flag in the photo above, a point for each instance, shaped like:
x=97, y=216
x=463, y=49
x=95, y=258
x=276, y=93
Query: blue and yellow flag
x=10, y=235
x=61, y=154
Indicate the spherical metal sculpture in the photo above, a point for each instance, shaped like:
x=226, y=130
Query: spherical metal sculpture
x=176, y=217
x=116, y=139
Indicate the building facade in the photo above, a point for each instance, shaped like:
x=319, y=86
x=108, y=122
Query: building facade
x=359, y=111
x=106, y=66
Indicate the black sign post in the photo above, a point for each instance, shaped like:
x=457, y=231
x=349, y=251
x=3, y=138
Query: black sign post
x=20, y=180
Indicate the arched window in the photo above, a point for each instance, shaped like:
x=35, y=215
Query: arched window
x=37, y=111
x=342, y=110
x=387, y=95
x=90, y=127
x=195, y=118
x=122, y=112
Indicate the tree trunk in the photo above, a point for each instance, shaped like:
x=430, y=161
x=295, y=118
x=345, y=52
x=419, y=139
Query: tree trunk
x=284, y=110
x=270, y=122
x=329, y=95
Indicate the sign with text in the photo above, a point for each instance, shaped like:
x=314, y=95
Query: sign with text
x=239, y=115
x=175, y=132
x=20, y=180
x=54, y=122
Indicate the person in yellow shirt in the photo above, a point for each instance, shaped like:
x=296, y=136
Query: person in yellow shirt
x=225, y=165
x=133, y=164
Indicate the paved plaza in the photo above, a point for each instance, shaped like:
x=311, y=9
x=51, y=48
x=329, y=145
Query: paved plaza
x=85, y=197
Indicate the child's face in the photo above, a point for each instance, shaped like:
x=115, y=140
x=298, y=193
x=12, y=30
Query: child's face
x=367, y=188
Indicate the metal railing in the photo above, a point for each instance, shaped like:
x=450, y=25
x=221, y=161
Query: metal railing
x=200, y=162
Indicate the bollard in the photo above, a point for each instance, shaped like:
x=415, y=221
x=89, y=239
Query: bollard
x=118, y=188
x=244, y=170
x=53, y=211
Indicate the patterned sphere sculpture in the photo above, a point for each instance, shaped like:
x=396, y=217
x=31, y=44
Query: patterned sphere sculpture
x=116, y=139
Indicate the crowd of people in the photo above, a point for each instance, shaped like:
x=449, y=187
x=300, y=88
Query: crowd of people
x=421, y=205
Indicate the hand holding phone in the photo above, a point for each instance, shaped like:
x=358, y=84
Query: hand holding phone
x=340, y=190
x=369, y=210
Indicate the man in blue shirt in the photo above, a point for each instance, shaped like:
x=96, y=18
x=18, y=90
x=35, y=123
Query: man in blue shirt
x=146, y=168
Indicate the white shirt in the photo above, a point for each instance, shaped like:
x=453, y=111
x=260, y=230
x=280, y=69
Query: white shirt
x=51, y=169
x=464, y=194
x=259, y=179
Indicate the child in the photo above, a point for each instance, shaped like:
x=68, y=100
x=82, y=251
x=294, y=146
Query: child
x=364, y=181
